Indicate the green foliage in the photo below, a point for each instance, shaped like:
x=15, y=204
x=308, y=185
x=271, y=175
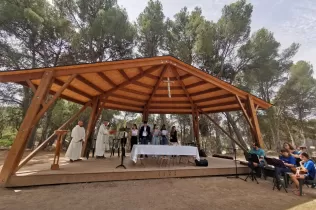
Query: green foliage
x=151, y=29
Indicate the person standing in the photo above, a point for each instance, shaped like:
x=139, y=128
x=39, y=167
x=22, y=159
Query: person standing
x=144, y=134
x=75, y=146
x=134, y=134
x=173, y=135
x=164, y=134
x=102, y=142
x=155, y=139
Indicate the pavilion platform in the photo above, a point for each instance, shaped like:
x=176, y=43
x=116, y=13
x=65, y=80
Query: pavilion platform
x=100, y=170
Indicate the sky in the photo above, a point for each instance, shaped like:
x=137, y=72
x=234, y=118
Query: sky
x=289, y=20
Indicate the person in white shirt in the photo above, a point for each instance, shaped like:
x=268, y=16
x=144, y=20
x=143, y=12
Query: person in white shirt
x=75, y=146
x=134, y=134
x=164, y=134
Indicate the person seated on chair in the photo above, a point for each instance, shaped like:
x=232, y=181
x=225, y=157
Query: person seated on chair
x=289, y=161
x=291, y=149
x=259, y=152
x=307, y=170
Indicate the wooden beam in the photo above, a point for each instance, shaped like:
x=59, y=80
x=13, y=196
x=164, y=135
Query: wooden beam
x=94, y=110
x=253, y=115
x=156, y=86
x=183, y=86
x=88, y=83
x=170, y=102
x=207, y=91
x=124, y=74
x=142, y=85
x=135, y=78
x=169, y=107
x=195, y=84
x=17, y=149
x=51, y=137
x=123, y=109
x=225, y=132
x=121, y=103
x=245, y=113
x=53, y=99
x=218, y=105
x=73, y=89
x=214, y=98
x=132, y=99
x=174, y=95
x=106, y=79
x=21, y=77
x=173, y=88
x=31, y=85
x=134, y=91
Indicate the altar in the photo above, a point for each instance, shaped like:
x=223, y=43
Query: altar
x=164, y=150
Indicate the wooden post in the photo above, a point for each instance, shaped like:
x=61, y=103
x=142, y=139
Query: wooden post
x=253, y=115
x=16, y=152
x=145, y=114
x=60, y=134
x=196, y=129
x=42, y=145
x=90, y=128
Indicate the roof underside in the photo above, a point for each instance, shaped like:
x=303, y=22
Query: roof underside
x=133, y=85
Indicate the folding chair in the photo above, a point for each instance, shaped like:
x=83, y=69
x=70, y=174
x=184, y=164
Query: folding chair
x=252, y=174
x=277, y=163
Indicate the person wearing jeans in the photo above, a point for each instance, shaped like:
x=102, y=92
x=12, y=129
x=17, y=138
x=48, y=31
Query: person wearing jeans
x=164, y=134
x=155, y=139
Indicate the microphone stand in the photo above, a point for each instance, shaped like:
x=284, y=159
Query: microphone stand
x=236, y=173
x=123, y=143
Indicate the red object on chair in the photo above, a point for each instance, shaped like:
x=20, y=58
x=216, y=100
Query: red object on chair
x=112, y=131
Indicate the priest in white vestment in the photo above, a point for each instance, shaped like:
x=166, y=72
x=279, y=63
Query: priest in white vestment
x=102, y=142
x=75, y=146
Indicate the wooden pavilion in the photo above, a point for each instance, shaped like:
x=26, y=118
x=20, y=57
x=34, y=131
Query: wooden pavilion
x=158, y=85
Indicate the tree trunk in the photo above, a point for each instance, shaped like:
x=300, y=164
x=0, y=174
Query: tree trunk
x=236, y=130
x=191, y=129
x=218, y=141
x=163, y=119
x=290, y=134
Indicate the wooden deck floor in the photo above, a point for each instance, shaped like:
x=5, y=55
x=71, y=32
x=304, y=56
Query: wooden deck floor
x=93, y=170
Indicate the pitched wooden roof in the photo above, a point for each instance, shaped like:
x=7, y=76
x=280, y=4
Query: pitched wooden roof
x=132, y=85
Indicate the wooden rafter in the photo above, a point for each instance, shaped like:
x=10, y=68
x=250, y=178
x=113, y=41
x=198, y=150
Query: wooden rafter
x=174, y=95
x=53, y=99
x=169, y=102
x=207, y=91
x=106, y=79
x=31, y=85
x=214, y=98
x=195, y=84
x=173, y=88
x=107, y=101
x=124, y=84
x=164, y=69
x=124, y=74
x=183, y=87
x=135, y=92
x=73, y=89
x=218, y=105
x=142, y=85
x=90, y=84
x=132, y=99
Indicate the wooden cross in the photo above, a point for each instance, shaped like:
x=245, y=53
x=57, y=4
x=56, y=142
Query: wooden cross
x=168, y=81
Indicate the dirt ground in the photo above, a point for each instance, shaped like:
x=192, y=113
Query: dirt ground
x=192, y=193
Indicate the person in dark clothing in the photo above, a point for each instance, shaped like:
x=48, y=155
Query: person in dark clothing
x=144, y=134
x=173, y=135
x=289, y=161
x=164, y=134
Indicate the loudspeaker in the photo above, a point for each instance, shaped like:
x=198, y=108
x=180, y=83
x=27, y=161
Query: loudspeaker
x=201, y=163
